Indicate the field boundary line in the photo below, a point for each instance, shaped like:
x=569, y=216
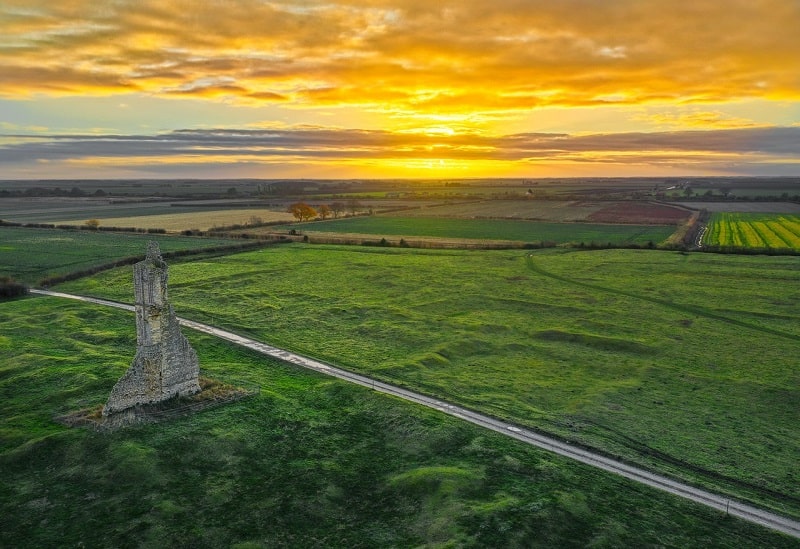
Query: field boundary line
x=719, y=502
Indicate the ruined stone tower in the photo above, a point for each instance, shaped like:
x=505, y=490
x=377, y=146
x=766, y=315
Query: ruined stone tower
x=165, y=364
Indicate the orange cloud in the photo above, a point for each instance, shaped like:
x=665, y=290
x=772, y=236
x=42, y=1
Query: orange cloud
x=698, y=119
x=470, y=56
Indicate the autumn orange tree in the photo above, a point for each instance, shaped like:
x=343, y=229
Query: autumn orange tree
x=302, y=211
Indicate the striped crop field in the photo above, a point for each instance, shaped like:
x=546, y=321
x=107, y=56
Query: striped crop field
x=753, y=230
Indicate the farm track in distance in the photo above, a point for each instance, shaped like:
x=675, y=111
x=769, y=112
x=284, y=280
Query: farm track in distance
x=734, y=508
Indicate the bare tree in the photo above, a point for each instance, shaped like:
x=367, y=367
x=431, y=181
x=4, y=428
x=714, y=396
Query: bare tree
x=337, y=208
x=354, y=206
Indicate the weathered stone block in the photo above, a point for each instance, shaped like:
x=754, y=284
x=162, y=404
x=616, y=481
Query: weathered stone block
x=165, y=364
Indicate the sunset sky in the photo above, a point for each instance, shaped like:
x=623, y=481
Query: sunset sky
x=402, y=88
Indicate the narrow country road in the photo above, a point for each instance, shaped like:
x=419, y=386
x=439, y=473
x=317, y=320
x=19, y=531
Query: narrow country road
x=698, y=241
x=721, y=503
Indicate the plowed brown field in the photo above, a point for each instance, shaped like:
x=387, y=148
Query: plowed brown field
x=640, y=213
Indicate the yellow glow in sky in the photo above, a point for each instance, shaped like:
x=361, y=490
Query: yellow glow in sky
x=372, y=88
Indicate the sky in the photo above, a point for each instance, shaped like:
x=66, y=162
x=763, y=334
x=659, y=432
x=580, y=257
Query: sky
x=398, y=88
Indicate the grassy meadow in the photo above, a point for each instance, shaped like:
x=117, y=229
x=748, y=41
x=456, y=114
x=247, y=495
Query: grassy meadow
x=309, y=462
x=753, y=230
x=30, y=254
x=683, y=362
x=492, y=229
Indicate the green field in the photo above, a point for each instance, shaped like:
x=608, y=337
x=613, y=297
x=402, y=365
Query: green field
x=30, y=255
x=308, y=462
x=77, y=212
x=491, y=229
x=753, y=230
x=539, y=210
x=682, y=362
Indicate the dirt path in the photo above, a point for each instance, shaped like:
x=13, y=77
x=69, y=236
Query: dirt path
x=715, y=501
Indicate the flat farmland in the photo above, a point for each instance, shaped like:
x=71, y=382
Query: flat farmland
x=753, y=230
x=558, y=211
x=640, y=212
x=75, y=211
x=137, y=187
x=158, y=214
x=682, y=362
x=309, y=461
x=30, y=254
x=540, y=210
x=179, y=220
x=490, y=229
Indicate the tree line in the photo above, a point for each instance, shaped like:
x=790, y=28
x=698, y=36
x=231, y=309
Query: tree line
x=303, y=211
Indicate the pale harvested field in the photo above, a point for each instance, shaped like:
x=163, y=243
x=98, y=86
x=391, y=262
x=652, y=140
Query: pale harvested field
x=193, y=220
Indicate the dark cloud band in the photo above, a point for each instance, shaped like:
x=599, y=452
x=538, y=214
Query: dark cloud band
x=331, y=144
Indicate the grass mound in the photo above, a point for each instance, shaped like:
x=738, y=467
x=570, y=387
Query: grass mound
x=10, y=288
x=595, y=341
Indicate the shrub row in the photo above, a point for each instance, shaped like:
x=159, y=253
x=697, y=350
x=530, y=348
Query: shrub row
x=488, y=245
x=223, y=233
x=746, y=250
x=10, y=288
x=649, y=245
x=240, y=226
x=82, y=227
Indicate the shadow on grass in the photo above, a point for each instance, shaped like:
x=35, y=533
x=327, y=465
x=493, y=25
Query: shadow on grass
x=212, y=393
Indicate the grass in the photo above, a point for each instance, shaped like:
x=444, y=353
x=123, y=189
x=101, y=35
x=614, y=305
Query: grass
x=753, y=230
x=682, y=362
x=29, y=254
x=492, y=229
x=309, y=462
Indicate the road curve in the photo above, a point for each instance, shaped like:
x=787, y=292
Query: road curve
x=715, y=501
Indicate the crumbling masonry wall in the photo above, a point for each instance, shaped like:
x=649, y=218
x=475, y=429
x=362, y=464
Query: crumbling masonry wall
x=165, y=364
